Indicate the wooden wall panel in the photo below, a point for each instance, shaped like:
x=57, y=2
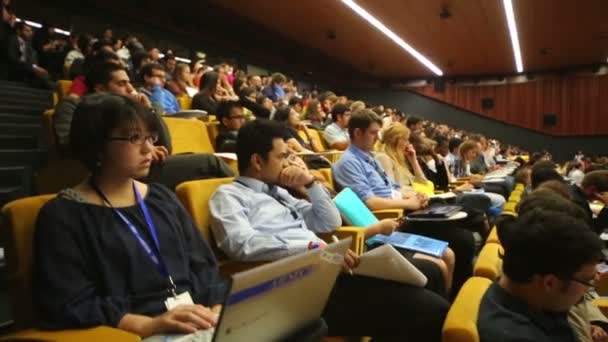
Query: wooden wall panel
x=580, y=103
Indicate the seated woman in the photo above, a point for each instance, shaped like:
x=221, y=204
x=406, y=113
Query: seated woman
x=211, y=93
x=111, y=250
x=315, y=114
x=181, y=84
x=291, y=121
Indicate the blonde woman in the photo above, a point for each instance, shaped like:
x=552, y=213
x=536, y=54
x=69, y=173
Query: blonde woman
x=398, y=157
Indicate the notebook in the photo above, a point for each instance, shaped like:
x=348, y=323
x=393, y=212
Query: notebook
x=412, y=242
x=358, y=214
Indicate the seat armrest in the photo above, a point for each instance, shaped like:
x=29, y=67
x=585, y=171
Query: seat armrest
x=357, y=234
x=388, y=213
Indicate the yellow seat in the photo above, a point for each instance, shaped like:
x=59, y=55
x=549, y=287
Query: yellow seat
x=326, y=172
x=509, y=207
x=315, y=135
x=427, y=189
x=64, y=88
x=185, y=102
x=188, y=136
x=213, y=129
x=489, y=262
x=493, y=236
x=195, y=196
x=20, y=217
x=460, y=324
x=519, y=187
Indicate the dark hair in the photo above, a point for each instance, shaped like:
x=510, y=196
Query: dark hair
x=100, y=43
x=84, y=42
x=138, y=58
x=550, y=236
x=454, y=144
x=19, y=26
x=278, y=78
x=338, y=109
x=412, y=121
x=362, y=119
x=542, y=174
x=282, y=114
x=96, y=116
x=296, y=101
x=224, y=108
x=208, y=84
x=245, y=92
x=101, y=74
x=147, y=69
x=256, y=136
x=441, y=140
x=597, y=179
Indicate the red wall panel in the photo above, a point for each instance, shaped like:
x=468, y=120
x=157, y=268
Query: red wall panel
x=580, y=103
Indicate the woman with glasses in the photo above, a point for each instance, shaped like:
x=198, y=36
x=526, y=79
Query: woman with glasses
x=114, y=251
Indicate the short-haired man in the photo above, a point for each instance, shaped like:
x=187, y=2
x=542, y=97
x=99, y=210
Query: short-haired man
x=154, y=88
x=549, y=263
x=593, y=187
x=358, y=170
x=336, y=134
x=255, y=218
x=22, y=59
x=231, y=117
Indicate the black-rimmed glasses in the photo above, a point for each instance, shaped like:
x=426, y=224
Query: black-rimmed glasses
x=137, y=139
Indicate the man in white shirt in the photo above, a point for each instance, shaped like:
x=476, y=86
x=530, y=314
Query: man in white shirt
x=336, y=134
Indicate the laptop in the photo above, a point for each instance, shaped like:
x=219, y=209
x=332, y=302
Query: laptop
x=272, y=301
x=439, y=212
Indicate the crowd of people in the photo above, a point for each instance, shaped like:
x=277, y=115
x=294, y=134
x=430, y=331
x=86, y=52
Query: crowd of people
x=91, y=265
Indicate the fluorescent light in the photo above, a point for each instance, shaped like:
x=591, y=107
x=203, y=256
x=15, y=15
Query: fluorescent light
x=394, y=37
x=33, y=24
x=63, y=32
x=184, y=60
x=508, y=4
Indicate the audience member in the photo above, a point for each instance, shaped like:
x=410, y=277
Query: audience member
x=154, y=88
x=274, y=91
x=336, y=133
x=286, y=226
x=181, y=83
x=231, y=118
x=22, y=60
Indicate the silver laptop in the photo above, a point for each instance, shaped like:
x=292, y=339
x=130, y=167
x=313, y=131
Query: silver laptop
x=269, y=302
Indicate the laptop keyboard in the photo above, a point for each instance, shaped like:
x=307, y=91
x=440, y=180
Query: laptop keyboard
x=199, y=336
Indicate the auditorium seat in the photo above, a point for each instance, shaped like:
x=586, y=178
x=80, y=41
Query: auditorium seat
x=461, y=322
x=188, y=136
x=17, y=234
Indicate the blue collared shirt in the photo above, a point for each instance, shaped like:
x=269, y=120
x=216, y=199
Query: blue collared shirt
x=249, y=224
x=359, y=171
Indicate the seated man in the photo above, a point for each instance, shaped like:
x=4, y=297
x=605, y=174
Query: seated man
x=593, y=187
x=154, y=88
x=22, y=58
x=231, y=117
x=549, y=264
x=358, y=170
x=255, y=218
x=336, y=134
x=167, y=169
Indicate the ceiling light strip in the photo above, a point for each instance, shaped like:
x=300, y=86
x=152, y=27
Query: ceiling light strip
x=394, y=37
x=508, y=4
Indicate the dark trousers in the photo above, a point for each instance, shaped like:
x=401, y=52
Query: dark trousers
x=180, y=168
x=460, y=240
x=385, y=310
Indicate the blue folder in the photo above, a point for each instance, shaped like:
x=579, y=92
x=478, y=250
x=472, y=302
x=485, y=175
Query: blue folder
x=359, y=215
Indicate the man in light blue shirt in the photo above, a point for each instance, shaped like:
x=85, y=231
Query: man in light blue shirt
x=154, y=83
x=336, y=134
x=357, y=169
x=255, y=218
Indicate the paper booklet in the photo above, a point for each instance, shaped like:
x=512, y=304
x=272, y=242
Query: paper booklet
x=386, y=263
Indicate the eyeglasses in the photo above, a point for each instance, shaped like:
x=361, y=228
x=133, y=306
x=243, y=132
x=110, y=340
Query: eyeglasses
x=137, y=139
x=590, y=283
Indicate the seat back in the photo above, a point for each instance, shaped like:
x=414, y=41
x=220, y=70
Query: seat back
x=326, y=172
x=185, y=102
x=195, y=196
x=489, y=263
x=16, y=234
x=188, y=136
x=64, y=88
x=313, y=134
x=460, y=324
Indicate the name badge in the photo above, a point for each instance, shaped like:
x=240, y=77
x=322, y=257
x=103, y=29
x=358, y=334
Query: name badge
x=181, y=299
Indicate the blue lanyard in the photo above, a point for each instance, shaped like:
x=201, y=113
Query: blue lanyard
x=153, y=254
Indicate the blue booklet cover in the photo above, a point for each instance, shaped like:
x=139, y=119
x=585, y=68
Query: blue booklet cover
x=359, y=215
x=353, y=208
x=412, y=242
